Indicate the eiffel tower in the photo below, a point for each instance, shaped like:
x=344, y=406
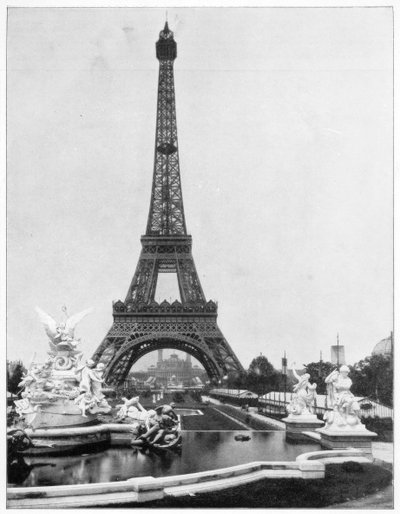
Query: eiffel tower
x=142, y=325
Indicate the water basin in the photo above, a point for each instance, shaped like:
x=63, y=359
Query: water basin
x=188, y=412
x=201, y=451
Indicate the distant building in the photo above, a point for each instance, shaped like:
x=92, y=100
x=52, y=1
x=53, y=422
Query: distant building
x=337, y=354
x=173, y=372
x=384, y=347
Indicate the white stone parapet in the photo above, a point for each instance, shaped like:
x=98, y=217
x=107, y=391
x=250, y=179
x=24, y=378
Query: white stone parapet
x=142, y=489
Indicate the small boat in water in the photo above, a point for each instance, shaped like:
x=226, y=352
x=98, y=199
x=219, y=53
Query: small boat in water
x=242, y=437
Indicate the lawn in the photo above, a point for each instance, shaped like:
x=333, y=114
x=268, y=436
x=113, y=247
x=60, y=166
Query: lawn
x=343, y=482
x=211, y=419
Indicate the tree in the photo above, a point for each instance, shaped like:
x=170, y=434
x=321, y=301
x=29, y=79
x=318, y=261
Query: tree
x=237, y=380
x=318, y=372
x=15, y=372
x=262, y=377
x=373, y=377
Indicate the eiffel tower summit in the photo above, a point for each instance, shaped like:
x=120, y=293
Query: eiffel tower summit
x=141, y=325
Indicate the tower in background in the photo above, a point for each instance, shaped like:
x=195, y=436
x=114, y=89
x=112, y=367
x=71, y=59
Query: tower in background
x=337, y=353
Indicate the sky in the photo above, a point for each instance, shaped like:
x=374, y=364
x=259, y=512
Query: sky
x=285, y=127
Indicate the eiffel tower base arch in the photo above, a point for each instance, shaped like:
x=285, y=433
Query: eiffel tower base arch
x=127, y=342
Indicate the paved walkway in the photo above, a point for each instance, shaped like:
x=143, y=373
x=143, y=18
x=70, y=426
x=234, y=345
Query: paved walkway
x=270, y=421
x=381, y=500
x=383, y=451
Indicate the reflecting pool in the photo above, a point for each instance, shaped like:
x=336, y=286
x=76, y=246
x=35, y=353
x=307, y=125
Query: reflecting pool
x=201, y=451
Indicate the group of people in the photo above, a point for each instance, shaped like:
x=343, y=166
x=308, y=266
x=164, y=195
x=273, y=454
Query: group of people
x=157, y=426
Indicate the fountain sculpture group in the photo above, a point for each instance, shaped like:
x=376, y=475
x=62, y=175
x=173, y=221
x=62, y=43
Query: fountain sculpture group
x=61, y=399
x=65, y=390
x=342, y=428
x=66, y=393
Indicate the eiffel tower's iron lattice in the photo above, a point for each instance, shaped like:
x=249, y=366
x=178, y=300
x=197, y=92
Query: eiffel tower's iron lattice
x=142, y=325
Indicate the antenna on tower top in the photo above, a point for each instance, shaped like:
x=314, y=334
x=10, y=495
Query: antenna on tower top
x=166, y=15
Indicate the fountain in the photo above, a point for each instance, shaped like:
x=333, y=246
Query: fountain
x=61, y=398
x=142, y=454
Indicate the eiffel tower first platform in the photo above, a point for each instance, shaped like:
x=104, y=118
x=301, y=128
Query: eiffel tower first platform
x=142, y=325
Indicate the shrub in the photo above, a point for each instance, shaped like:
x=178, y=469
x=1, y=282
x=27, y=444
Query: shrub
x=15, y=372
x=178, y=398
x=352, y=466
x=383, y=427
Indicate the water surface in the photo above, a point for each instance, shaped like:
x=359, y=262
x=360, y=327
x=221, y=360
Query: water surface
x=200, y=451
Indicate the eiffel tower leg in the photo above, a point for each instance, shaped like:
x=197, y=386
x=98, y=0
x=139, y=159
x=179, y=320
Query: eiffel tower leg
x=106, y=343
x=144, y=282
x=108, y=348
x=116, y=374
x=188, y=280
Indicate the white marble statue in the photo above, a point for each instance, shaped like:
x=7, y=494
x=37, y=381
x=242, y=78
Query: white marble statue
x=86, y=402
x=133, y=410
x=84, y=374
x=302, y=402
x=98, y=381
x=62, y=333
x=91, y=397
x=62, y=390
x=30, y=378
x=40, y=387
x=345, y=412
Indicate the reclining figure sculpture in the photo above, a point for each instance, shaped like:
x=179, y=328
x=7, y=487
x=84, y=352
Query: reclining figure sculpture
x=158, y=428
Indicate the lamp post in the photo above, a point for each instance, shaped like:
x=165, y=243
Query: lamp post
x=260, y=384
x=320, y=365
x=284, y=374
x=223, y=384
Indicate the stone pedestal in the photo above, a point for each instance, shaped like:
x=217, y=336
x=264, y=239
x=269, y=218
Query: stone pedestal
x=336, y=439
x=297, y=425
x=58, y=413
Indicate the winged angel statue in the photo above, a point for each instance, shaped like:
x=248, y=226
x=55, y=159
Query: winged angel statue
x=62, y=341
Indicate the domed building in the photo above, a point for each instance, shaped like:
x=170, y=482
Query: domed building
x=384, y=347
